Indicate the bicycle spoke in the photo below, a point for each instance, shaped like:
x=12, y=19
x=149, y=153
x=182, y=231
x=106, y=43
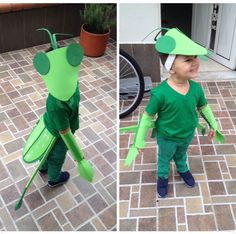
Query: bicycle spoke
x=131, y=84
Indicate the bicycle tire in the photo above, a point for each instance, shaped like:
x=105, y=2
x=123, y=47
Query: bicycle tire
x=136, y=68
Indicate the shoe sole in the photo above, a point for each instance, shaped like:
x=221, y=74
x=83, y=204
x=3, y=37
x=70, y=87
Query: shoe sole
x=159, y=196
x=185, y=182
x=52, y=186
x=189, y=185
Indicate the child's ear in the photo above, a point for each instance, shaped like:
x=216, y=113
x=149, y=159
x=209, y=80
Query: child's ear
x=74, y=54
x=172, y=71
x=41, y=63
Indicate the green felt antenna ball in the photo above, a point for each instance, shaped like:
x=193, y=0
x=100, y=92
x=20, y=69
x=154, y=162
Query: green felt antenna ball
x=41, y=63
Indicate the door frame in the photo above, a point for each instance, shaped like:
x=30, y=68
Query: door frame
x=231, y=62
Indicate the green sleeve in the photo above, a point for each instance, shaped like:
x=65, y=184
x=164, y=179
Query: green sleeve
x=61, y=119
x=202, y=99
x=154, y=104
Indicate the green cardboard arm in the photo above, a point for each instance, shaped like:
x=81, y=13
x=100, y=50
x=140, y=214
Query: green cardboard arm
x=132, y=154
x=207, y=114
x=84, y=167
x=72, y=145
x=146, y=122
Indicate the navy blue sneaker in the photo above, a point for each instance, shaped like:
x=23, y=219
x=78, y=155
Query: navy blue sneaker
x=63, y=179
x=162, y=187
x=188, y=178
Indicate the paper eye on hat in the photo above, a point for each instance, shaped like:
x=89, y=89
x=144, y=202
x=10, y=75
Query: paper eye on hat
x=41, y=63
x=165, y=44
x=74, y=54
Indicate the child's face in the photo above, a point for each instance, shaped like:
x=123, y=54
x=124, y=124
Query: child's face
x=185, y=67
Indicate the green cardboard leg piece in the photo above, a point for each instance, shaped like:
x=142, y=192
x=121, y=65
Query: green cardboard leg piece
x=19, y=202
x=132, y=128
x=141, y=130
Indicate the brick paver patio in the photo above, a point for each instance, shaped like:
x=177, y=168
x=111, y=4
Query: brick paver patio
x=77, y=205
x=211, y=204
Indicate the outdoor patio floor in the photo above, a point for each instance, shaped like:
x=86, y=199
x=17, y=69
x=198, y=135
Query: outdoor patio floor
x=77, y=205
x=211, y=204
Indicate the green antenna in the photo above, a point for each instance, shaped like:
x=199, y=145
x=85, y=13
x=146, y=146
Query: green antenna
x=154, y=31
x=55, y=39
x=53, y=43
x=53, y=36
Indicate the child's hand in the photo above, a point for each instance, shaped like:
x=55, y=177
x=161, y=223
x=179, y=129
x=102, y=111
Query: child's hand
x=211, y=134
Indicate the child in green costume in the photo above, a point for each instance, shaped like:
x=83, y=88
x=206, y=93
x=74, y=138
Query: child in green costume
x=175, y=102
x=60, y=118
x=53, y=134
x=59, y=69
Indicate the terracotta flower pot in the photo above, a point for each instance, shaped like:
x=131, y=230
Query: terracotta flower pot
x=94, y=44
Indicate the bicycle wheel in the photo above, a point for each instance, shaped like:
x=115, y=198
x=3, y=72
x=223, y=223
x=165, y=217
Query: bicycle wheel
x=131, y=84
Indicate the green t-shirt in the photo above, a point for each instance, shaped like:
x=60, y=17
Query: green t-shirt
x=61, y=115
x=177, y=116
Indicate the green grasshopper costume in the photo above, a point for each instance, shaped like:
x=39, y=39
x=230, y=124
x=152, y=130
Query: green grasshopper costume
x=173, y=43
x=59, y=69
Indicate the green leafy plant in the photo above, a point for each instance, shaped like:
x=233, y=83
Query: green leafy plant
x=98, y=18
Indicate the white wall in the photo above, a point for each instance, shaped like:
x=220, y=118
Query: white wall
x=137, y=20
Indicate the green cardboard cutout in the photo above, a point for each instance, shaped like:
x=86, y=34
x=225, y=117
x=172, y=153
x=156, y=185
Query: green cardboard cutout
x=59, y=68
x=176, y=42
x=37, y=143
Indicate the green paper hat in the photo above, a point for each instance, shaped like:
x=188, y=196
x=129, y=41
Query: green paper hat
x=59, y=68
x=176, y=42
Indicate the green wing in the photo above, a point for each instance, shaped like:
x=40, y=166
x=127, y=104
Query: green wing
x=37, y=143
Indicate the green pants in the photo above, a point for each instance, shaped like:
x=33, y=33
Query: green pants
x=55, y=160
x=169, y=150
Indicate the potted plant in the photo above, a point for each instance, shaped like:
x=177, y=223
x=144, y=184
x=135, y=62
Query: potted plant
x=97, y=22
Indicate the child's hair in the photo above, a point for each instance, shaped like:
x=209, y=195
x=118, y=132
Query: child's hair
x=50, y=49
x=163, y=58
